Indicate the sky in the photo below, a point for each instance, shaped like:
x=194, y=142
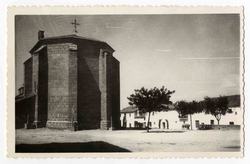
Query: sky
x=195, y=55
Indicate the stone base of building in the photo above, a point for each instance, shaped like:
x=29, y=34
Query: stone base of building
x=62, y=125
x=29, y=126
x=105, y=125
x=39, y=124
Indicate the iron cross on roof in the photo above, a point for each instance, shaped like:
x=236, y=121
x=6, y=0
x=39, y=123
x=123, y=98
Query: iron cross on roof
x=75, y=24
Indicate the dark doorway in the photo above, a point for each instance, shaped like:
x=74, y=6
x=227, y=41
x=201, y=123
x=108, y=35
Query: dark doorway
x=167, y=124
x=160, y=124
x=163, y=124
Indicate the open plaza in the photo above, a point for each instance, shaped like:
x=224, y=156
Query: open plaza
x=47, y=140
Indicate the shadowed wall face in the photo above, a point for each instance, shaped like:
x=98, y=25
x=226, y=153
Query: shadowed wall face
x=42, y=94
x=24, y=112
x=89, y=96
x=115, y=95
x=28, y=77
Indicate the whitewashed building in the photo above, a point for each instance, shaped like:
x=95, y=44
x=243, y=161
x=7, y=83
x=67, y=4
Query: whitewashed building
x=130, y=117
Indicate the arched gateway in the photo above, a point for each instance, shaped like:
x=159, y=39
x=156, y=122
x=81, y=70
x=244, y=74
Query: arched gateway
x=163, y=124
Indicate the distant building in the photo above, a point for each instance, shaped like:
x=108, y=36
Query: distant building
x=170, y=119
x=131, y=118
x=69, y=80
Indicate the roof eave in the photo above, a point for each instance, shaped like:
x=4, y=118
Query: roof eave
x=33, y=49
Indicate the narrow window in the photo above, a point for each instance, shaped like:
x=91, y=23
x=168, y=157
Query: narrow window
x=35, y=86
x=197, y=123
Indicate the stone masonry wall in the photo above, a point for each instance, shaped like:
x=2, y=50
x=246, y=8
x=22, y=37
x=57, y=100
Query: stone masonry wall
x=60, y=102
x=35, y=66
x=105, y=67
x=73, y=85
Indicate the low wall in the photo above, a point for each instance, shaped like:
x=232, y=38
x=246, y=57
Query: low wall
x=219, y=127
x=226, y=127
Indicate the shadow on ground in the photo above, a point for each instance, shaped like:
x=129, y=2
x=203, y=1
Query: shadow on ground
x=232, y=148
x=97, y=146
x=165, y=132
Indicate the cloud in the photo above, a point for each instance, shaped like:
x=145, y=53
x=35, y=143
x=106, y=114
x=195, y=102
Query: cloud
x=163, y=50
x=217, y=58
x=228, y=84
x=118, y=27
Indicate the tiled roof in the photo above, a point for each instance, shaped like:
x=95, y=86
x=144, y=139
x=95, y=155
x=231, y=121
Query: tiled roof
x=40, y=48
x=43, y=41
x=129, y=109
x=24, y=98
x=71, y=36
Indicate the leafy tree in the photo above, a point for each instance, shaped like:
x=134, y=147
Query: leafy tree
x=150, y=100
x=216, y=106
x=185, y=108
x=182, y=108
x=194, y=107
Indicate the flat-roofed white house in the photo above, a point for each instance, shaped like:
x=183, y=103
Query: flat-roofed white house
x=169, y=119
x=131, y=118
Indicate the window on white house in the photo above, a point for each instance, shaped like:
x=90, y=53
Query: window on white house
x=231, y=123
x=197, y=123
x=235, y=113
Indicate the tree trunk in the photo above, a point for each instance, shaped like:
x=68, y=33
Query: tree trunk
x=148, y=121
x=218, y=117
x=218, y=122
x=191, y=126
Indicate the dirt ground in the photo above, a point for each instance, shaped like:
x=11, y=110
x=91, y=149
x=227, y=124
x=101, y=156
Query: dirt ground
x=47, y=140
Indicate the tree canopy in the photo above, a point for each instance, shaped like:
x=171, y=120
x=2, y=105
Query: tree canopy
x=216, y=106
x=184, y=108
x=149, y=100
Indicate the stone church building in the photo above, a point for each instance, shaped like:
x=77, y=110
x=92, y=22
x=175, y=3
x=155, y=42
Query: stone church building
x=69, y=82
